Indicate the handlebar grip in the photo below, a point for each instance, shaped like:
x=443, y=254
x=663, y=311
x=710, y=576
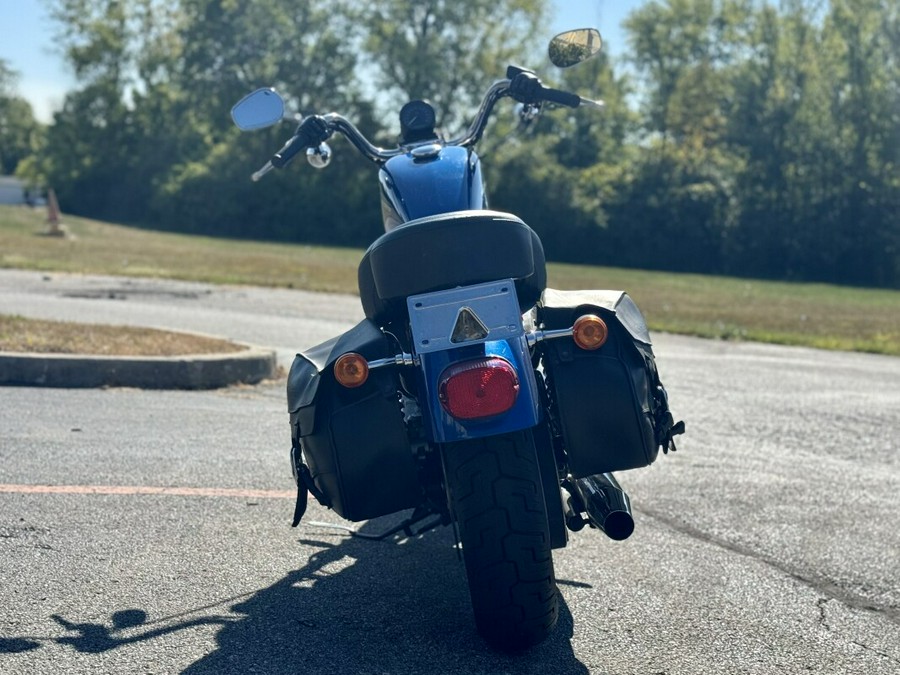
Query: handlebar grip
x=284, y=156
x=561, y=97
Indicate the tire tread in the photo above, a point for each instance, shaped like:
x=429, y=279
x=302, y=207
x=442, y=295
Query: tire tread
x=497, y=499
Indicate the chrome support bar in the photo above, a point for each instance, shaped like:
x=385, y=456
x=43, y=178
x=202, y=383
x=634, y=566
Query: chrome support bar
x=540, y=335
x=401, y=359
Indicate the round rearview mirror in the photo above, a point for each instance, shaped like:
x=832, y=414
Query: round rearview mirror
x=574, y=46
x=262, y=108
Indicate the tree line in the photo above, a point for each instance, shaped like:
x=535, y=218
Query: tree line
x=739, y=136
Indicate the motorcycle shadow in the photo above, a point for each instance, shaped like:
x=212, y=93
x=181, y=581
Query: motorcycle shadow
x=358, y=606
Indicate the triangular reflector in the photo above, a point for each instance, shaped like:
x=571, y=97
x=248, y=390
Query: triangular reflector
x=468, y=327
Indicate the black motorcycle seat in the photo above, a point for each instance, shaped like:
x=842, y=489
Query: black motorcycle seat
x=449, y=250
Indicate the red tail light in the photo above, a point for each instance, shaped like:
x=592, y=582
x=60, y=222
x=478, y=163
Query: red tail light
x=477, y=389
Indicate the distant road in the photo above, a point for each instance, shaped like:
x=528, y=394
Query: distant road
x=11, y=190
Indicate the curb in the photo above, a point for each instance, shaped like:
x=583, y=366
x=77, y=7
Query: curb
x=197, y=371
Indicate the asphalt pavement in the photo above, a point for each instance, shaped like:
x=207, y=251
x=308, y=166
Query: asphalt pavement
x=148, y=531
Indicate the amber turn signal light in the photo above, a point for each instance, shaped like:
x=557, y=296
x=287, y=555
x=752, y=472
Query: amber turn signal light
x=590, y=332
x=351, y=370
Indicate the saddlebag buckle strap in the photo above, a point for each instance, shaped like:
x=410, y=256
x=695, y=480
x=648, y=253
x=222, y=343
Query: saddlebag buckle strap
x=305, y=485
x=666, y=426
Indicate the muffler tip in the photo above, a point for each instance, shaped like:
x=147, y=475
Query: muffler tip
x=618, y=525
x=606, y=504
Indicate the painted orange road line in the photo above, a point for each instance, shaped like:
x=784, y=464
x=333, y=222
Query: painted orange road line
x=146, y=490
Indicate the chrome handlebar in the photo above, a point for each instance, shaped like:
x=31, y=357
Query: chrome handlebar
x=338, y=123
x=341, y=124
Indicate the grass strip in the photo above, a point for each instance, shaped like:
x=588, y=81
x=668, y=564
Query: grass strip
x=18, y=334
x=814, y=315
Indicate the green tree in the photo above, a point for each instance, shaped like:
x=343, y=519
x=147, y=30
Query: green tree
x=88, y=146
x=782, y=125
x=147, y=136
x=308, y=51
x=679, y=208
x=682, y=49
x=447, y=51
x=770, y=140
x=764, y=141
x=816, y=117
x=19, y=131
x=863, y=38
x=586, y=136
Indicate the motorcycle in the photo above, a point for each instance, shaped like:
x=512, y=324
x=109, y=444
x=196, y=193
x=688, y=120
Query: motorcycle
x=471, y=394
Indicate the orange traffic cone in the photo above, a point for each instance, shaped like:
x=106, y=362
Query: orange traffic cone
x=53, y=216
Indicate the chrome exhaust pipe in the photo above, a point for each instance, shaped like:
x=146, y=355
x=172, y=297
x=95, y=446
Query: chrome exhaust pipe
x=606, y=504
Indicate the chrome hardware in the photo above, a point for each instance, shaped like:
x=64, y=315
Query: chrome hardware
x=262, y=172
x=540, y=335
x=319, y=157
x=597, y=105
x=401, y=359
x=427, y=151
x=529, y=112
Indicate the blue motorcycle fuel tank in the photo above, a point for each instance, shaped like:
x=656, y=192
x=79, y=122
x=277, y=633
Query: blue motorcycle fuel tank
x=428, y=180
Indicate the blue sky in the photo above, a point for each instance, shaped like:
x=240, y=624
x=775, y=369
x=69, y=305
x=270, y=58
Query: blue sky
x=26, y=43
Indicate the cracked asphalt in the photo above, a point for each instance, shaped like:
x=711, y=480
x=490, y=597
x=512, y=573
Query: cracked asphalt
x=768, y=543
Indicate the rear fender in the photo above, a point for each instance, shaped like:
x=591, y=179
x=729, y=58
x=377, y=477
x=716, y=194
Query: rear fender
x=435, y=320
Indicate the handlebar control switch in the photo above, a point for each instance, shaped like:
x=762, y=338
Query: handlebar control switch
x=525, y=86
x=314, y=130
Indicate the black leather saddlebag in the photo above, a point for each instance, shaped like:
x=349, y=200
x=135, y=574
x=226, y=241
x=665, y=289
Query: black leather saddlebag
x=610, y=406
x=353, y=441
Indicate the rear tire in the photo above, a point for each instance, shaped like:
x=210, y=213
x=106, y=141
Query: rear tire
x=495, y=495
